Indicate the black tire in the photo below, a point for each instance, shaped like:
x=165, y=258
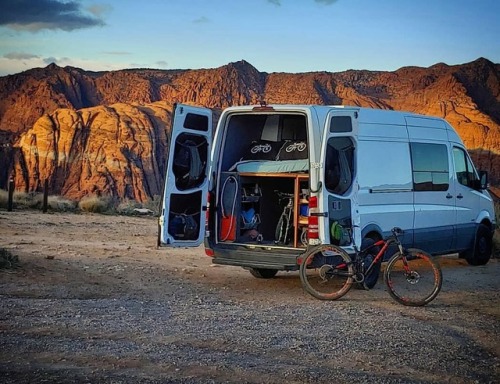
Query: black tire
x=303, y=237
x=483, y=247
x=326, y=272
x=372, y=278
x=262, y=273
x=418, y=287
x=280, y=229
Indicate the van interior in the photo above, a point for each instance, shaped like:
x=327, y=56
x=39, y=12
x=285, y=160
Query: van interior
x=263, y=188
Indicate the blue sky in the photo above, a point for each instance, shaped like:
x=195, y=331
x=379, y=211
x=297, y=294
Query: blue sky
x=273, y=35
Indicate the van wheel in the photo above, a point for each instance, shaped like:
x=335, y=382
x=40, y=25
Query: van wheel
x=482, y=247
x=262, y=273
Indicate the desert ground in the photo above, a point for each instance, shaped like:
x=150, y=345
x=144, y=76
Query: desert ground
x=94, y=301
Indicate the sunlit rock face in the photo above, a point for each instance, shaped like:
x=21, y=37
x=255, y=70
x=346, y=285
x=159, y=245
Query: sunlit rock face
x=106, y=132
x=116, y=150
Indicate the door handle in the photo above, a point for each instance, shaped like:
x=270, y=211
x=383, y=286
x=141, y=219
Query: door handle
x=448, y=196
x=459, y=196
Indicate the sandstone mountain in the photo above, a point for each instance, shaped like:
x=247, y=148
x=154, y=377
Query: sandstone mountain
x=106, y=132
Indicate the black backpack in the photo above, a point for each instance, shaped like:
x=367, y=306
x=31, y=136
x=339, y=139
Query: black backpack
x=183, y=226
x=189, y=169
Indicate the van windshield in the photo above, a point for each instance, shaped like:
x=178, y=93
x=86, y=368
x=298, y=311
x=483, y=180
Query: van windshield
x=339, y=167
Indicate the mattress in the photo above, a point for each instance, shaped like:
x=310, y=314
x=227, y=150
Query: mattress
x=263, y=166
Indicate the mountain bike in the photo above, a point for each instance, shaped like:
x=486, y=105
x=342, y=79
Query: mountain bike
x=284, y=228
x=412, y=276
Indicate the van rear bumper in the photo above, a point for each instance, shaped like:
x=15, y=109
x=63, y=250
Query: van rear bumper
x=278, y=258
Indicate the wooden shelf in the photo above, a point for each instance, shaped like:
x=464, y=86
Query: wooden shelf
x=298, y=178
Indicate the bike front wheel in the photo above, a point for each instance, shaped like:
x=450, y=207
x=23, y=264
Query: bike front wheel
x=413, y=279
x=326, y=272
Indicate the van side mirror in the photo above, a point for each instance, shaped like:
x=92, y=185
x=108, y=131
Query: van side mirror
x=483, y=180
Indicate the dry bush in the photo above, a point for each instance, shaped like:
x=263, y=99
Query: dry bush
x=96, y=204
x=4, y=198
x=33, y=200
x=21, y=199
x=8, y=260
x=126, y=207
x=153, y=204
x=60, y=204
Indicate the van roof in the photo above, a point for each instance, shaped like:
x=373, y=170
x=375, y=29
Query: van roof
x=365, y=114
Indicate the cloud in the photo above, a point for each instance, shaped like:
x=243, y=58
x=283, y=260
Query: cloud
x=117, y=53
x=326, y=2
x=33, y=16
x=201, y=20
x=50, y=60
x=20, y=56
x=98, y=10
x=162, y=64
x=12, y=65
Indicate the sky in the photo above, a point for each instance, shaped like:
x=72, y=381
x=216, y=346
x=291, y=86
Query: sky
x=290, y=36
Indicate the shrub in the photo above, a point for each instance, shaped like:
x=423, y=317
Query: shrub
x=4, y=198
x=126, y=207
x=8, y=260
x=27, y=200
x=154, y=205
x=96, y=204
x=21, y=199
x=33, y=200
x=60, y=204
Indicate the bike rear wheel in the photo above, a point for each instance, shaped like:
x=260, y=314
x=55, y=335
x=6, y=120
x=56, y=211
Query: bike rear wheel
x=326, y=272
x=413, y=279
x=283, y=230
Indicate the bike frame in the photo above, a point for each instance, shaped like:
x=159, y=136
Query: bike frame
x=384, y=243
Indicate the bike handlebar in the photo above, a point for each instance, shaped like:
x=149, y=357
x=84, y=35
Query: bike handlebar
x=396, y=231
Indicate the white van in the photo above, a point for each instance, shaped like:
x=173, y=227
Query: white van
x=275, y=179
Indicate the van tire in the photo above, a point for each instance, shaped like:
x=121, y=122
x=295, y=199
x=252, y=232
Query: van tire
x=483, y=247
x=262, y=273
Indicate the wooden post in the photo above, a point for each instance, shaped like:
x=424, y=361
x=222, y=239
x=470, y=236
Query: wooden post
x=45, y=195
x=11, y=194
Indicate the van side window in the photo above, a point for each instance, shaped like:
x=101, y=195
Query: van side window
x=340, y=124
x=196, y=122
x=464, y=168
x=339, y=167
x=430, y=167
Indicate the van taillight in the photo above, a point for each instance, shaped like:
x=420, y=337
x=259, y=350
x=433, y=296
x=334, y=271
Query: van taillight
x=312, y=219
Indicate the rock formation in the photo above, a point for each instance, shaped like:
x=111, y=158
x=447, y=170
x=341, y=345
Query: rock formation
x=106, y=132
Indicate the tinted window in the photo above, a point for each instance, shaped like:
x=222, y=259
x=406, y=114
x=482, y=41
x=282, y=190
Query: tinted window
x=430, y=167
x=464, y=168
x=341, y=124
x=339, y=168
x=196, y=122
x=379, y=173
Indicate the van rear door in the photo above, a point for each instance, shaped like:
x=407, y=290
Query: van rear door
x=184, y=204
x=338, y=196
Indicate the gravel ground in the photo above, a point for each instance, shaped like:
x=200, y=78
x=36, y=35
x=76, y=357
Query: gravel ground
x=95, y=302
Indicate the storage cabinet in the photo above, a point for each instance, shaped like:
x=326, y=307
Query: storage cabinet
x=266, y=213
x=250, y=207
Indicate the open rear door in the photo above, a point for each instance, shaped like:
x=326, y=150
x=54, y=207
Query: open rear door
x=182, y=217
x=338, y=176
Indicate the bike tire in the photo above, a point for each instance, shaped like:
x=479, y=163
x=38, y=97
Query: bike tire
x=326, y=272
x=418, y=287
x=279, y=234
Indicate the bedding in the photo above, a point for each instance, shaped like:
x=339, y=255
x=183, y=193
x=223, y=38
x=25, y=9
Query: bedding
x=274, y=157
x=263, y=166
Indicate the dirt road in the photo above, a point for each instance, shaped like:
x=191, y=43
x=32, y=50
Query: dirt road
x=95, y=301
